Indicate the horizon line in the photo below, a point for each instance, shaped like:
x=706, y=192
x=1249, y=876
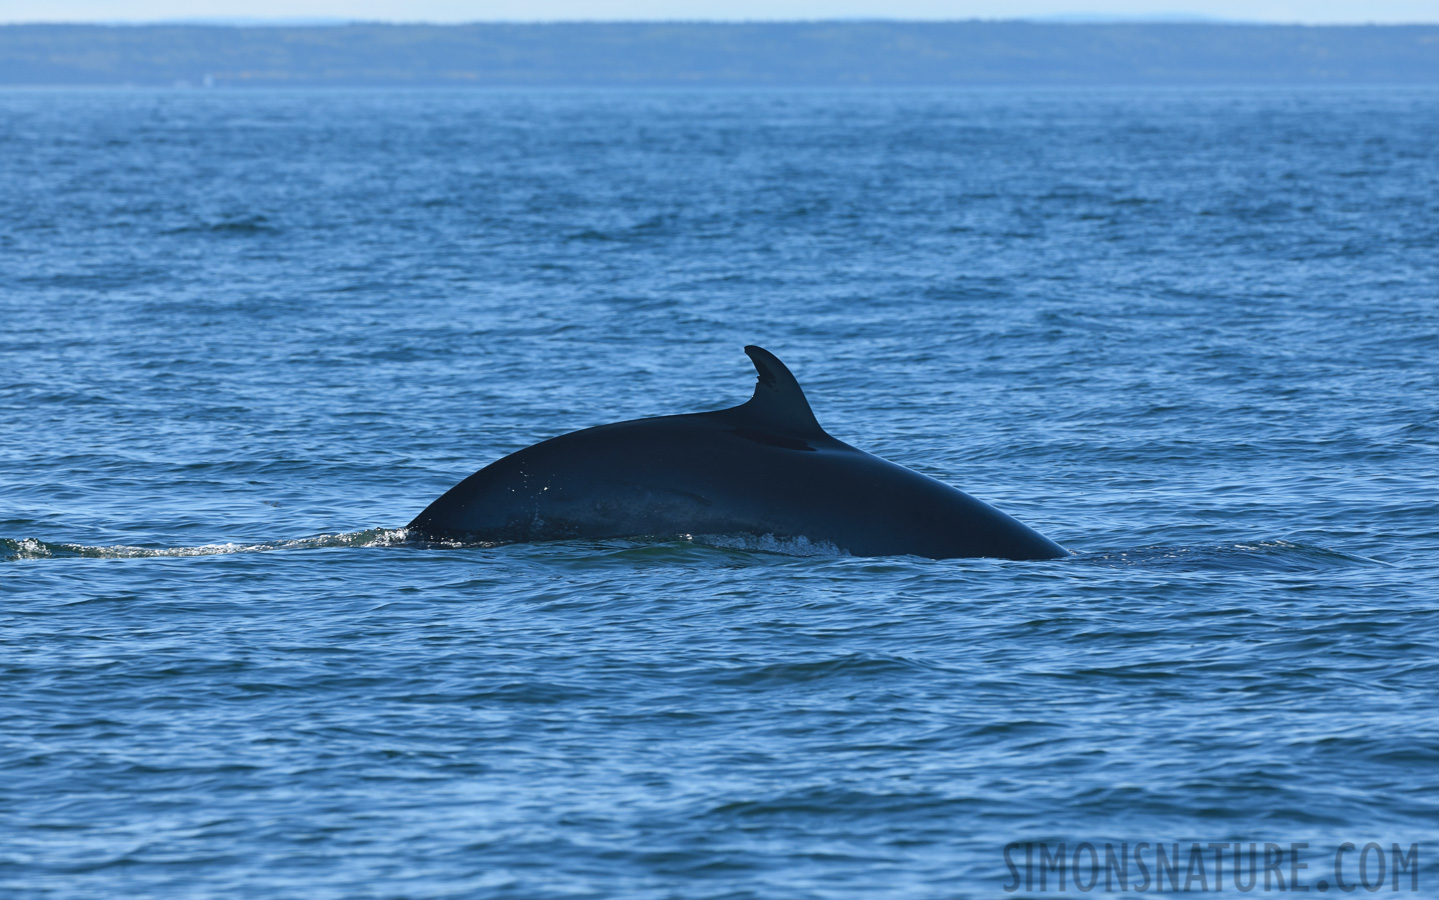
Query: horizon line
x=1062, y=19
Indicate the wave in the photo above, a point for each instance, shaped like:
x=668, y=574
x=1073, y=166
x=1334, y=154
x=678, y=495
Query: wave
x=1271, y=556
x=1247, y=556
x=32, y=548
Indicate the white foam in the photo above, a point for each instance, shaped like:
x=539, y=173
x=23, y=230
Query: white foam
x=767, y=543
x=32, y=548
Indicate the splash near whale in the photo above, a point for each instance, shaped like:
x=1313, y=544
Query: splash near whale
x=765, y=468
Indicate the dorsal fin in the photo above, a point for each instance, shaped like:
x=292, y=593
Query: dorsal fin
x=778, y=403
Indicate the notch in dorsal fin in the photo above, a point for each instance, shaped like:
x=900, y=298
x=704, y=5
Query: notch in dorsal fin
x=778, y=403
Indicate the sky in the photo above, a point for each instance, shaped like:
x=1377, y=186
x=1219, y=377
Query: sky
x=280, y=11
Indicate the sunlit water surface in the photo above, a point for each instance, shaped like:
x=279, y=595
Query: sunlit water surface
x=246, y=337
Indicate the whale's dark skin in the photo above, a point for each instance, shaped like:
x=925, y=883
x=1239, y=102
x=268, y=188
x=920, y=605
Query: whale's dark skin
x=762, y=468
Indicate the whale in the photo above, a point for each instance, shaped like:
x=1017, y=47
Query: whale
x=764, y=469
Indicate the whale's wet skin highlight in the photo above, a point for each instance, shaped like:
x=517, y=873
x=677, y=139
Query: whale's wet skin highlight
x=1188, y=335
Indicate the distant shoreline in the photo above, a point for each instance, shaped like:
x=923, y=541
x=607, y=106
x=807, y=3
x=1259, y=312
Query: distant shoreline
x=818, y=54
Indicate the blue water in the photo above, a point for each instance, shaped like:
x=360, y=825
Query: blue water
x=1191, y=335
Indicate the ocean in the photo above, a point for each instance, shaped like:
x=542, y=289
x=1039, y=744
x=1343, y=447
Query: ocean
x=1189, y=334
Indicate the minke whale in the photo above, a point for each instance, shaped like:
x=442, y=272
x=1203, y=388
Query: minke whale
x=763, y=468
